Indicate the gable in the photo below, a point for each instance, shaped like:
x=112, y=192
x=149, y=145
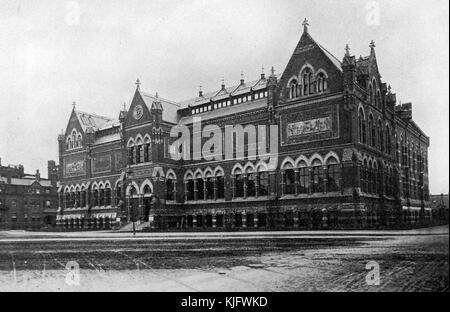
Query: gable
x=310, y=53
x=138, y=113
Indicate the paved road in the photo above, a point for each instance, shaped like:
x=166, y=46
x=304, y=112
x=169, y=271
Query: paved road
x=278, y=261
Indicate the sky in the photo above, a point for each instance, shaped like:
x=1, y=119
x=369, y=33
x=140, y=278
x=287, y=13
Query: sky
x=53, y=53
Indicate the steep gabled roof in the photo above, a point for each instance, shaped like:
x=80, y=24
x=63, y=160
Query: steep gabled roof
x=94, y=121
x=169, y=108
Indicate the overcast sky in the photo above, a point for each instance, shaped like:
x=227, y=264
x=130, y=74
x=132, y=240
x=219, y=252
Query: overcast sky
x=55, y=52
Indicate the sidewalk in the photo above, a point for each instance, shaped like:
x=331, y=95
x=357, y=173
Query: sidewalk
x=20, y=235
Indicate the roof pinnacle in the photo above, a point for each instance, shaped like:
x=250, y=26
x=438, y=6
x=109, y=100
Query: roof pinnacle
x=305, y=25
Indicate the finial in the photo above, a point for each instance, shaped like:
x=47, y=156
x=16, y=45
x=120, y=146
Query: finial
x=389, y=89
x=124, y=106
x=74, y=104
x=272, y=70
x=347, y=50
x=372, y=44
x=138, y=84
x=157, y=95
x=305, y=25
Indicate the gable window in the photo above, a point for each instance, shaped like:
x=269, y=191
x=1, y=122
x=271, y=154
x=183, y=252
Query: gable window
x=321, y=82
x=293, y=89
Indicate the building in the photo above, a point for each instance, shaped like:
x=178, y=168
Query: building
x=348, y=156
x=440, y=207
x=28, y=201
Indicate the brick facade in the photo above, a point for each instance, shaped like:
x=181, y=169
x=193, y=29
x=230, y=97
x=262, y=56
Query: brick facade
x=347, y=155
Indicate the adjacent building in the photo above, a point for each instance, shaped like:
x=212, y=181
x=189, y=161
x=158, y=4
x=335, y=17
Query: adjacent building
x=28, y=201
x=347, y=154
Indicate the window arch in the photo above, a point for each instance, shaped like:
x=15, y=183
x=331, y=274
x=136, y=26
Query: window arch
x=317, y=176
x=372, y=131
x=304, y=177
x=293, y=89
x=189, y=186
x=199, y=186
x=220, y=182
x=321, y=81
x=171, y=181
x=250, y=181
x=307, y=81
x=333, y=174
x=238, y=183
x=380, y=136
x=362, y=126
x=139, y=151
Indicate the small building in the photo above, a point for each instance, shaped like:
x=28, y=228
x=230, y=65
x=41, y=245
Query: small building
x=27, y=201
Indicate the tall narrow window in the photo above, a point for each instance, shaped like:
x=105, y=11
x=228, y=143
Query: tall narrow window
x=303, y=178
x=289, y=180
x=220, y=183
x=238, y=184
x=293, y=89
x=333, y=175
x=317, y=178
x=263, y=183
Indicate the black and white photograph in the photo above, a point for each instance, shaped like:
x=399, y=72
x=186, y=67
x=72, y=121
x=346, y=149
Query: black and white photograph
x=205, y=147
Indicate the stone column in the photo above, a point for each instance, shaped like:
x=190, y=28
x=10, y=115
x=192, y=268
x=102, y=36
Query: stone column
x=297, y=180
x=194, y=221
x=255, y=220
x=296, y=223
x=244, y=220
x=214, y=220
x=205, y=188
x=256, y=183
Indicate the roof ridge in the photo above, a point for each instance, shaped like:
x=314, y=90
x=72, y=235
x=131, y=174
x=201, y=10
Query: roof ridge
x=161, y=98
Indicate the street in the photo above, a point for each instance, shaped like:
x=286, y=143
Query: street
x=415, y=260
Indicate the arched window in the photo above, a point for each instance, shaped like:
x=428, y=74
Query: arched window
x=372, y=132
x=321, y=82
x=209, y=186
x=289, y=179
x=170, y=186
x=68, y=144
x=317, y=177
x=147, y=149
x=378, y=99
x=238, y=183
x=220, y=184
x=371, y=95
x=95, y=197
x=388, y=140
x=303, y=186
x=102, y=196
x=190, y=188
x=307, y=77
x=79, y=144
x=263, y=182
x=333, y=175
x=131, y=152
x=293, y=89
x=200, y=187
x=362, y=126
x=108, y=195
x=250, y=182
x=139, y=151
x=380, y=136
x=83, y=196
x=369, y=177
